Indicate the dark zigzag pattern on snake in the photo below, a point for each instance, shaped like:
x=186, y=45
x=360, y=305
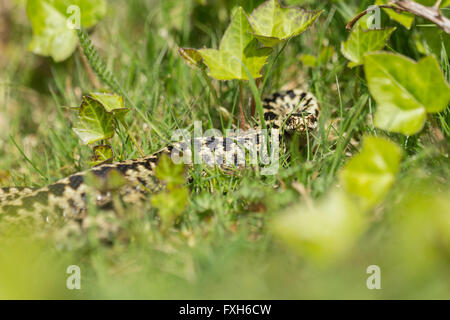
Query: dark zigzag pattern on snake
x=293, y=111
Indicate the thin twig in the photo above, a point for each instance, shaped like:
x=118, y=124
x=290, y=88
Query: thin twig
x=432, y=14
x=362, y=14
x=243, y=123
x=88, y=68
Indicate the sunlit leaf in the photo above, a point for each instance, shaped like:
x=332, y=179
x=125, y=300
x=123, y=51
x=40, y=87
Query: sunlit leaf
x=94, y=122
x=192, y=57
x=239, y=51
x=170, y=205
x=405, y=91
x=273, y=23
x=91, y=11
x=112, y=102
x=50, y=21
x=369, y=175
x=172, y=202
x=421, y=229
x=170, y=173
x=51, y=37
x=309, y=60
x=362, y=41
x=323, y=233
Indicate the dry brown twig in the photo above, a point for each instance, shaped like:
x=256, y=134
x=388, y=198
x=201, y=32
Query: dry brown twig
x=432, y=14
x=88, y=68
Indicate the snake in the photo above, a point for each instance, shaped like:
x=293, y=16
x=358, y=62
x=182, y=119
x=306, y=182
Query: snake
x=291, y=112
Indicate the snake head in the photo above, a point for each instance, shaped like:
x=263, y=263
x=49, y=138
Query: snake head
x=301, y=122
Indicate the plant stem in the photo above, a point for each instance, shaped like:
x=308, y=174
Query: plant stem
x=213, y=92
x=269, y=69
x=242, y=122
x=90, y=72
x=356, y=83
x=133, y=139
x=210, y=87
x=253, y=101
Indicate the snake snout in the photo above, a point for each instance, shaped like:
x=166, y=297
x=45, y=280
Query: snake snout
x=299, y=122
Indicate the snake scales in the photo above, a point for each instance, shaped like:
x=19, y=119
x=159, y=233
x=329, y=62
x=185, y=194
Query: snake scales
x=290, y=111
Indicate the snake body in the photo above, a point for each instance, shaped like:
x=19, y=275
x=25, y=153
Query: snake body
x=291, y=111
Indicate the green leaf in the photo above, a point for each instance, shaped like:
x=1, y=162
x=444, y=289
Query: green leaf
x=309, y=60
x=273, y=23
x=102, y=154
x=51, y=37
x=94, y=122
x=170, y=173
x=192, y=57
x=312, y=61
x=405, y=91
x=91, y=11
x=49, y=20
x=170, y=205
x=239, y=51
x=369, y=175
x=433, y=40
x=172, y=202
x=325, y=232
x=112, y=102
x=362, y=41
x=421, y=227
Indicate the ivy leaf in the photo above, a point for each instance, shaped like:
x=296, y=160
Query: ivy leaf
x=368, y=176
x=94, y=122
x=170, y=173
x=102, y=154
x=405, y=91
x=170, y=205
x=192, y=57
x=273, y=23
x=112, y=102
x=172, y=202
x=362, y=41
x=91, y=11
x=51, y=37
x=238, y=52
x=49, y=21
x=325, y=232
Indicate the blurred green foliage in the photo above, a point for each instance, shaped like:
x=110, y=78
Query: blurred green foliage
x=335, y=207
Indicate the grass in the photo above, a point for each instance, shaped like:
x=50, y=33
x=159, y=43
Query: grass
x=222, y=247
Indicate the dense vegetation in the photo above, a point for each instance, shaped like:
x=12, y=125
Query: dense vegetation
x=365, y=190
